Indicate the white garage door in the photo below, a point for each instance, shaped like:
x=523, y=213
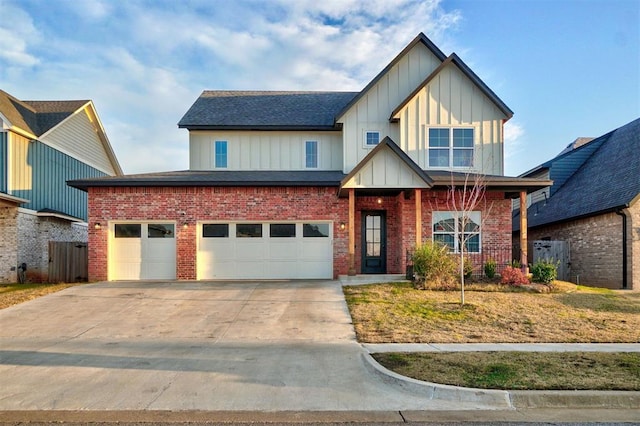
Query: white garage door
x=142, y=251
x=265, y=250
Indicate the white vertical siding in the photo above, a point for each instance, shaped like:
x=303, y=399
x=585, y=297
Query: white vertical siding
x=451, y=99
x=373, y=110
x=77, y=138
x=264, y=150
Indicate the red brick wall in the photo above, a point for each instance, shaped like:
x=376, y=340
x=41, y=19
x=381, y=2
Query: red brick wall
x=184, y=204
x=190, y=205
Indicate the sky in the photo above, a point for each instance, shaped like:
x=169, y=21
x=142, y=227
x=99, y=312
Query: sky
x=567, y=68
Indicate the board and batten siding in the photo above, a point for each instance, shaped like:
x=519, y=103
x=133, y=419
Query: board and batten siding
x=78, y=139
x=4, y=166
x=264, y=150
x=39, y=174
x=385, y=170
x=373, y=110
x=451, y=99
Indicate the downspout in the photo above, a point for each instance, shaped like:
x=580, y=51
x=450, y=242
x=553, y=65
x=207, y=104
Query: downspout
x=619, y=212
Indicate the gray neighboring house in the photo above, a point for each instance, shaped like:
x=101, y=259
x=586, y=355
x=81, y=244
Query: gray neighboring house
x=43, y=144
x=593, y=205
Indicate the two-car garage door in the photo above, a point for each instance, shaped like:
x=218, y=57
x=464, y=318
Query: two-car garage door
x=265, y=250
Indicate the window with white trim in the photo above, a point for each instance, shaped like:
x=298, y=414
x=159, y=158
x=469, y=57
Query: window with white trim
x=221, y=154
x=311, y=154
x=371, y=138
x=451, y=147
x=453, y=229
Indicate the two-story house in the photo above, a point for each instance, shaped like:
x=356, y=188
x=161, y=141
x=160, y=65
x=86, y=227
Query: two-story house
x=42, y=145
x=315, y=184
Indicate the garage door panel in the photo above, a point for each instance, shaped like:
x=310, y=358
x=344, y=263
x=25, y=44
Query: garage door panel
x=142, y=251
x=281, y=251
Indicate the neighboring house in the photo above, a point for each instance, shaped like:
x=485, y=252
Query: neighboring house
x=288, y=185
x=42, y=145
x=594, y=206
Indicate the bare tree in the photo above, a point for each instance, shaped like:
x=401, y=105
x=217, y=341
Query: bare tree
x=463, y=198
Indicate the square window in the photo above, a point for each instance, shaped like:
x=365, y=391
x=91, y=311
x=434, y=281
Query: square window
x=249, y=230
x=311, y=154
x=128, y=230
x=221, y=154
x=372, y=138
x=450, y=147
x=215, y=230
x=282, y=230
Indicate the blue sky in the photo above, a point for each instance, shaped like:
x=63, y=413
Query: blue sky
x=567, y=68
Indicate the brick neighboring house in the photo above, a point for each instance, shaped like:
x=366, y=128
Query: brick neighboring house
x=42, y=145
x=286, y=185
x=594, y=206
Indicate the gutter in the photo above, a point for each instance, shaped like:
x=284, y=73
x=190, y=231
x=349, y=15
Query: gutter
x=625, y=277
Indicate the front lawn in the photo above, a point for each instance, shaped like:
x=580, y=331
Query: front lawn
x=521, y=370
x=396, y=312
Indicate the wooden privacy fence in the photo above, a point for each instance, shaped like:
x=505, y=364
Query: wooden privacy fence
x=68, y=262
x=555, y=252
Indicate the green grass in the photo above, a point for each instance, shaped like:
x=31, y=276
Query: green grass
x=521, y=370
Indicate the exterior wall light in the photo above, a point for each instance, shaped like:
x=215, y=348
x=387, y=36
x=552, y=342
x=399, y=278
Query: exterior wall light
x=97, y=225
x=342, y=226
x=379, y=200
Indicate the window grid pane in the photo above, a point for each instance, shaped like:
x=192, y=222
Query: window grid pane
x=128, y=230
x=311, y=230
x=282, y=230
x=215, y=230
x=248, y=230
x=372, y=138
x=157, y=230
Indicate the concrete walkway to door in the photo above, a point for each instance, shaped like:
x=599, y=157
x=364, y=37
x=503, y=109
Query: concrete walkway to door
x=266, y=346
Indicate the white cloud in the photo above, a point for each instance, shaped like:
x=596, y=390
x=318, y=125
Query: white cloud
x=145, y=68
x=16, y=33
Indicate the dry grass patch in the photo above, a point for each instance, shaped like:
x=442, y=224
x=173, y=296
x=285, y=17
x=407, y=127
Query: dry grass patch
x=12, y=294
x=396, y=312
x=521, y=370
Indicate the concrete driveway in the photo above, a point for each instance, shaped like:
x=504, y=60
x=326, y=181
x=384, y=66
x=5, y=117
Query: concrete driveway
x=267, y=346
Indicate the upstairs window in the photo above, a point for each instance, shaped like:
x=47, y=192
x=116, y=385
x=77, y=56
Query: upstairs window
x=311, y=154
x=371, y=139
x=454, y=230
x=451, y=147
x=221, y=154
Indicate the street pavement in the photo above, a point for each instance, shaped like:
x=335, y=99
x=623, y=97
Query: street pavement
x=283, y=351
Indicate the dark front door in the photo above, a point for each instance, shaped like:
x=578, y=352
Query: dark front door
x=374, y=243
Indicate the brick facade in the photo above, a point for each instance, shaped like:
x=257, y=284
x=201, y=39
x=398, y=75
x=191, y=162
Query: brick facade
x=34, y=234
x=8, y=242
x=191, y=205
x=595, y=245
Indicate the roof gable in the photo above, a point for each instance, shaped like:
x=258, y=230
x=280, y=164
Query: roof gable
x=254, y=110
x=374, y=170
x=605, y=181
x=420, y=38
x=454, y=60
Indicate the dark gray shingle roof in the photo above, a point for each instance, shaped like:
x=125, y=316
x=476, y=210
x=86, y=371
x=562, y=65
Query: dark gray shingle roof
x=217, y=178
x=265, y=110
x=607, y=180
x=36, y=117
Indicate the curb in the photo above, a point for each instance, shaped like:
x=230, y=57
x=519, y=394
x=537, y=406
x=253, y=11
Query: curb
x=503, y=399
x=495, y=399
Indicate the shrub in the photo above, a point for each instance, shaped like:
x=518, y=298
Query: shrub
x=513, y=276
x=468, y=268
x=490, y=268
x=434, y=266
x=544, y=271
